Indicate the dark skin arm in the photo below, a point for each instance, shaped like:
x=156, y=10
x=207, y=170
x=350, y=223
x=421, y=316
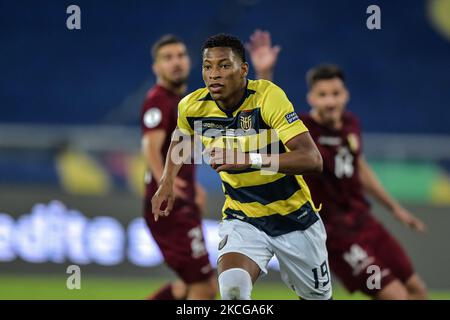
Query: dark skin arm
x=303, y=158
x=165, y=192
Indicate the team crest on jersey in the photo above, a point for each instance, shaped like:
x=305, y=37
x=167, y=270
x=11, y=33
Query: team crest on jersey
x=246, y=121
x=353, y=142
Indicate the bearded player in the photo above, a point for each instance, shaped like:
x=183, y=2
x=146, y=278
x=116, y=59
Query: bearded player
x=358, y=245
x=180, y=236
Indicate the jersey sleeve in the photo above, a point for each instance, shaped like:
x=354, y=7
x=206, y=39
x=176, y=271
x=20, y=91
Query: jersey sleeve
x=182, y=122
x=156, y=114
x=278, y=112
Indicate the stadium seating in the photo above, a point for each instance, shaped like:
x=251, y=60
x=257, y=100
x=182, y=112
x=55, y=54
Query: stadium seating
x=53, y=75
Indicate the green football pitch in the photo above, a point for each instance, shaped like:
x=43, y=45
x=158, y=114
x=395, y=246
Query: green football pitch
x=111, y=288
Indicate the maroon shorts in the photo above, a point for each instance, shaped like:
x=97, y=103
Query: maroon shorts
x=356, y=258
x=180, y=239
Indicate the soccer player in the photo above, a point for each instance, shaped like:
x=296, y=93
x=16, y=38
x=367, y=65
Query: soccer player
x=356, y=240
x=180, y=236
x=268, y=208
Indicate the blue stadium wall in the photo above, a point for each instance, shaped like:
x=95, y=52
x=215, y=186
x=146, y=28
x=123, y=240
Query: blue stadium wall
x=399, y=76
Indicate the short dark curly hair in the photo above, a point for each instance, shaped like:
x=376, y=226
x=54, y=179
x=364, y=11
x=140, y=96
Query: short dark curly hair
x=324, y=72
x=226, y=40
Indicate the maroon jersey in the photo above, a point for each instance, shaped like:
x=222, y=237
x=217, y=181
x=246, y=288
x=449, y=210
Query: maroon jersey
x=356, y=240
x=338, y=188
x=179, y=236
x=160, y=112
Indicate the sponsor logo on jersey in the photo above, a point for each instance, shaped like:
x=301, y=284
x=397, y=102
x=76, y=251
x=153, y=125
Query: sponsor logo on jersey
x=212, y=125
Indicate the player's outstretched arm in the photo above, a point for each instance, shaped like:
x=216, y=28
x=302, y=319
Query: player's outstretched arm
x=179, y=151
x=262, y=55
x=373, y=186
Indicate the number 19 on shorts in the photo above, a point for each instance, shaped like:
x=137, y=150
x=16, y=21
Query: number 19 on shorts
x=323, y=270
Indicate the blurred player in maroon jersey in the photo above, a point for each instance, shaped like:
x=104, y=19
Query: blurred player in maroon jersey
x=356, y=240
x=179, y=236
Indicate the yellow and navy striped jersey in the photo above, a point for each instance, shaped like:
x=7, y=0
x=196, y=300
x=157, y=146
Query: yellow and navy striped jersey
x=275, y=203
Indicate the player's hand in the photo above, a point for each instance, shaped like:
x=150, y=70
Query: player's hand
x=179, y=186
x=409, y=220
x=164, y=195
x=228, y=159
x=200, y=197
x=262, y=54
